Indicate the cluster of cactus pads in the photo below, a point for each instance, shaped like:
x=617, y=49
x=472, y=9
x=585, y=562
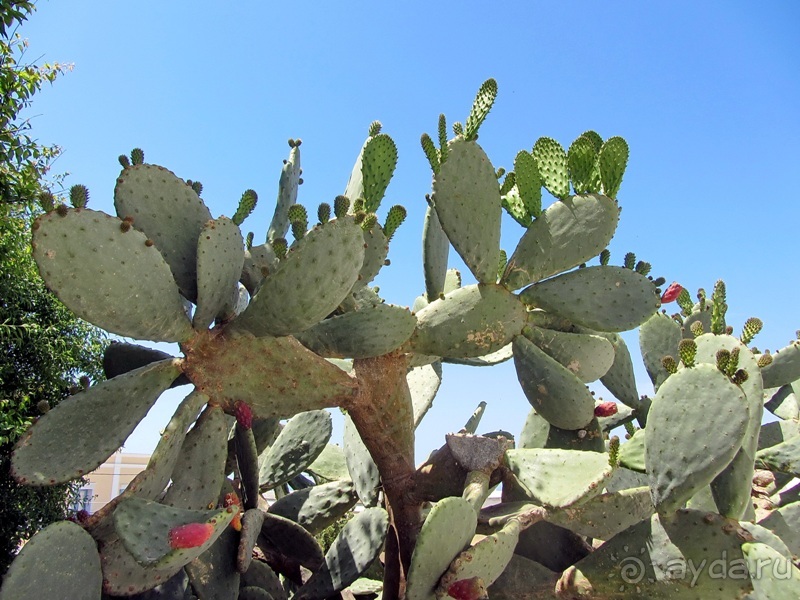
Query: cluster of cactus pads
x=273, y=334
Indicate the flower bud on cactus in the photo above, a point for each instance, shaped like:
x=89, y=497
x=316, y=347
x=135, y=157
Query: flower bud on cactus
x=630, y=260
x=751, y=327
x=137, y=156
x=613, y=450
x=124, y=161
x=79, y=196
x=43, y=406
x=643, y=268
x=298, y=217
x=47, y=201
x=375, y=128
x=197, y=187
x=696, y=328
x=190, y=535
x=739, y=377
x=369, y=221
x=671, y=293
x=468, y=589
x=279, y=246
x=765, y=359
x=324, y=213
x=605, y=409
x=685, y=302
x=669, y=363
x=687, y=350
x=605, y=256
x=341, y=205
x=248, y=242
x=232, y=499
x=244, y=414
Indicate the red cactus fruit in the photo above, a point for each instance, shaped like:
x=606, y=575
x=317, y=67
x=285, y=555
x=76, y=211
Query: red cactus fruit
x=232, y=499
x=671, y=293
x=605, y=409
x=190, y=535
x=244, y=414
x=468, y=589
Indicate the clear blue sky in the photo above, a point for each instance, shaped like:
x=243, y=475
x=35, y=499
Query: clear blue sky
x=704, y=92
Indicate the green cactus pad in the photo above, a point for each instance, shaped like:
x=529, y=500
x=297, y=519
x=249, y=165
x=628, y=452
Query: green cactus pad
x=783, y=402
x=471, y=426
x=534, y=431
x=259, y=262
x=559, y=478
x=447, y=530
x=330, y=465
x=554, y=391
x=613, y=158
x=620, y=379
x=785, y=523
x=606, y=515
x=246, y=451
x=375, y=252
x=680, y=457
x=631, y=453
x=121, y=357
x=659, y=336
x=213, y=574
x=528, y=183
x=765, y=536
x=199, y=470
x=309, y=283
x=773, y=575
x=783, y=457
x=60, y=561
x=353, y=550
x=552, y=161
x=487, y=559
x=601, y=297
x=220, y=257
x=732, y=486
x=466, y=197
x=275, y=376
x=360, y=334
x=123, y=575
x=99, y=418
x=480, y=108
x=144, y=528
x=167, y=211
x=656, y=557
x=423, y=383
x=493, y=358
x=582, y=158
x=85, y=251
x=777, y=432
x=150, y=483
x=524, y=578
x=317, y=507
x=252, y=521
x=287, y=195
x=514, y=205
x=784, y=368
x=588, y=438
x=378, y=161
x=362, y=468
x=468, y=322
x=261, y=576
x=587, y=356
x=435, y=251
x=566, y=235
x=280, y=536
x=300, y=442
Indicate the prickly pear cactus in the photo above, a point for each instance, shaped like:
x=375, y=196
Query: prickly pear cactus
x=273, y=335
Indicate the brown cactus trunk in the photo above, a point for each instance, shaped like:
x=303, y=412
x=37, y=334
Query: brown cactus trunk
x=383, y=415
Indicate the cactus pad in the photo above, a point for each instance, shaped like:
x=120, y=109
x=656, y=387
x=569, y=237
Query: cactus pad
x=302, y=439
x=97, y=418
x=85, y=251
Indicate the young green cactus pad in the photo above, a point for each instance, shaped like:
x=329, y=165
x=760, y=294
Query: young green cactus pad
x=167, y=211
x=466, y=197
x=60, y=561
x=85, y=250
x=299, y=443
x=287, y=194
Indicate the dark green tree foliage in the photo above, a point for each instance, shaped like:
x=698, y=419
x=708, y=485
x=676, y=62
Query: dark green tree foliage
x=23, y=162
x=44, y=349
